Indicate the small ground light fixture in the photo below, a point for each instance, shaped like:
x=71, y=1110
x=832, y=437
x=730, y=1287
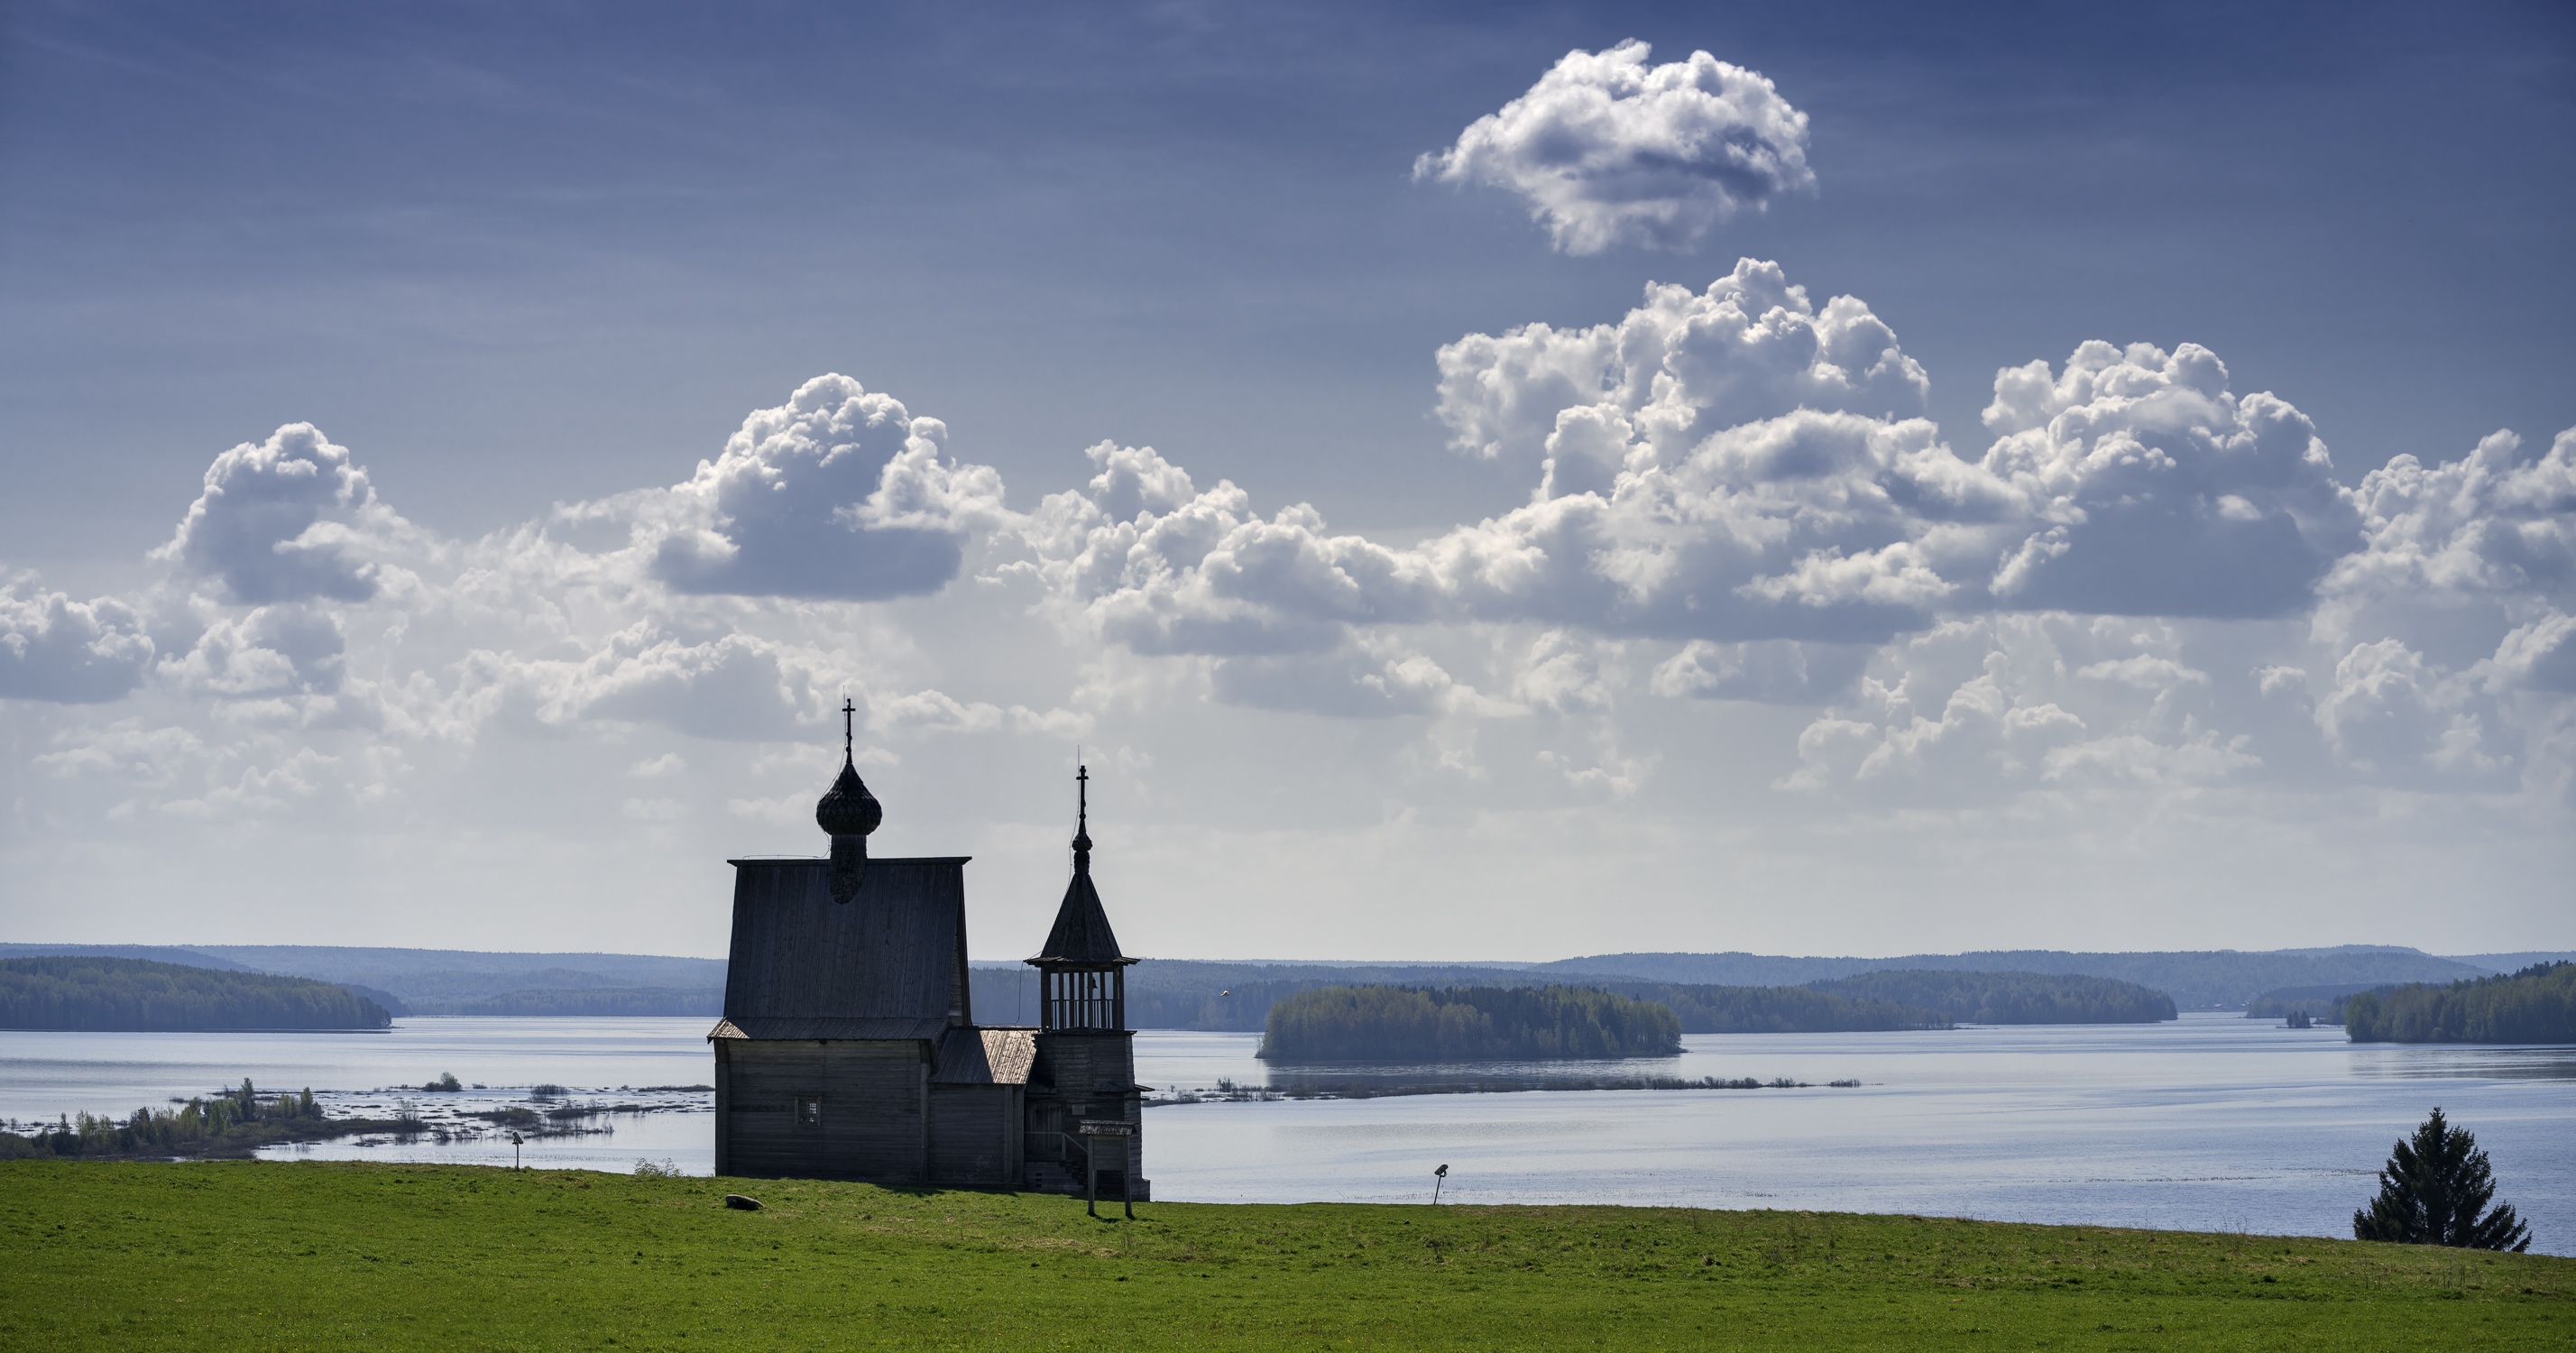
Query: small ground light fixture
x=1438, y=1177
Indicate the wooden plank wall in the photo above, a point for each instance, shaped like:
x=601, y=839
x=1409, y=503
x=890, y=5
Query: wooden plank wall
x=1091, y=1074
x=875, y=1110
x=970, y=1134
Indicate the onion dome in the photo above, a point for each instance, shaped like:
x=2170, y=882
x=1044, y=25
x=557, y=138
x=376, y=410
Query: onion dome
x=848, y=812
x=849, y=809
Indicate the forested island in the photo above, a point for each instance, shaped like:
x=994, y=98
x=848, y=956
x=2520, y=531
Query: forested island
x=89, y=994
x=1410, y=1024
x=2535, y=1005
x=2009, y=997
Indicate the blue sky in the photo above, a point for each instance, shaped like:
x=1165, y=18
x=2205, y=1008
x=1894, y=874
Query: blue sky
x=530, y=265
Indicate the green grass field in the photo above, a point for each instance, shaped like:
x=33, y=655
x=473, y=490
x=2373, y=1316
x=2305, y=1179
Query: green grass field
x=369, y=1257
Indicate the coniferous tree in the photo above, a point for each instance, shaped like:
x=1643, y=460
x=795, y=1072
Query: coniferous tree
x=2431, y=1192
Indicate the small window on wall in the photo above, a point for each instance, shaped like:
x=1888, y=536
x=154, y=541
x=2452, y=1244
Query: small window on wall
x=809, y=1111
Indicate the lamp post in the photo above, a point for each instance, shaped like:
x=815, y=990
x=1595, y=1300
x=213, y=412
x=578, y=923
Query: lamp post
x=1438, y=1177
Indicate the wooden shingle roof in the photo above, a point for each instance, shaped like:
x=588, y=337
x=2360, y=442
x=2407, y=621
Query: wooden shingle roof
x=891, y=961
x=986, y=1057
x=1081, y=935
x=781, y=1026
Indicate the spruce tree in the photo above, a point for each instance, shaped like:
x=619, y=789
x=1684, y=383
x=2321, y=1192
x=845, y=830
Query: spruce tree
x=2431, y=1191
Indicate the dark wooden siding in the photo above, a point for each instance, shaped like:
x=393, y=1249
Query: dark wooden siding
x=970, y=1136
x=1085, y=1068
x=874, y=1111
x=1091, y=1076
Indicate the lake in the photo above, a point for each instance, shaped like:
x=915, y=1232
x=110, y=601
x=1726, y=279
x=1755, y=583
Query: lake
x=2207, y=1123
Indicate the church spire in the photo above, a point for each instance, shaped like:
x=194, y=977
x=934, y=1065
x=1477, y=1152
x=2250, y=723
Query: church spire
x=1081, y=936
x=1082, y=821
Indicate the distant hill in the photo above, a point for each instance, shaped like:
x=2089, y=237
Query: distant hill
x=1776, y=1010
x=358, y=964
x=1165, y=993
x=2196, y=979
x=1405, y=1024
x=1172, y=993
x=2515, y=961
x=705, y=1001
x=104, y=994
x=456, y=981
x=152, y=953
x=2009, y=997
x=2324, y=1003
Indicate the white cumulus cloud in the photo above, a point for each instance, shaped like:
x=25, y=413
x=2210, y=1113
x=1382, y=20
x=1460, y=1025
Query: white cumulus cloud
x=72, y=652
x=840, y=493
x=1610, y=150
x=2150, y=489
x=286, y=519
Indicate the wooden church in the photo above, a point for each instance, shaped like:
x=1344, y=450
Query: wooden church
x=849, y=1047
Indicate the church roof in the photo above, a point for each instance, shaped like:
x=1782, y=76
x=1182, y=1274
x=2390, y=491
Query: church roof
x=1081, y=934
x=802, y=961
x=986, y=1057
x=880, y=1028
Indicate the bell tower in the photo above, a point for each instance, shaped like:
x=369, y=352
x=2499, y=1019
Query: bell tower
x=1085, y=1049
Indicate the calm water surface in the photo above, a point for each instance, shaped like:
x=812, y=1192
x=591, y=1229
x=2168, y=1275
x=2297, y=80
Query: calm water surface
x=2211, y=1122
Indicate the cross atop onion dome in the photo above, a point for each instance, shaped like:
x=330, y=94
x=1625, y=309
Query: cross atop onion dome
x=848, y=813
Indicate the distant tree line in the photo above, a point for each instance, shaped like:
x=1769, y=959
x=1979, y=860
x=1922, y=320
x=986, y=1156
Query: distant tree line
x=102, y=994
x=2535, y=1005
x=2197, y=980
x=1403, y=1024
x=2009, y=997
x=707, y=1001
x=2325, y=1002
x=1777, y=1010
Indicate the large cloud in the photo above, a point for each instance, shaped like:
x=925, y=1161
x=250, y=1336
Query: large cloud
x=2155, y=491
x=1612, y=151
x=73, y=652
x=1734, y=464
x=839, y=492
x=2488, y=532
x=286, y=519
x=1680, y=366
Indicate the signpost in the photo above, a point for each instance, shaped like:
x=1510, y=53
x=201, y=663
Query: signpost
x=1095, y=1129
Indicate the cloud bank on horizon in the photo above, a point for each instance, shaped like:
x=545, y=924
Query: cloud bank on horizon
x=1757, y=606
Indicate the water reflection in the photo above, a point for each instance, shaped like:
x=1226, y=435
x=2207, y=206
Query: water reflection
x=2418, y=1061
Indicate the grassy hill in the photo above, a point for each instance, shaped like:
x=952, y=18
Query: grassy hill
x=308, y=1255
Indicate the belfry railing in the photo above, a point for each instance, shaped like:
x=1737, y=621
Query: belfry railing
x=1094, y=999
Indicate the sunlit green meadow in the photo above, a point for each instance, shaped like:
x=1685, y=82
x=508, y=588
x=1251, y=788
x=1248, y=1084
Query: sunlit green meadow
x=357, y=1256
